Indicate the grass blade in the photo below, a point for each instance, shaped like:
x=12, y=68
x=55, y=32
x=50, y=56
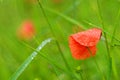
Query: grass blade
x=56, y=41
x=115, y=72
x=28, y=60
x=80, y=24
x=106, y=41
x=66, y=18
x=70, y=9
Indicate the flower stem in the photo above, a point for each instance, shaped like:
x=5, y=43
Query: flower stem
x=111, y=43
x=56, y=41
x=96, y=63
x=106, y=42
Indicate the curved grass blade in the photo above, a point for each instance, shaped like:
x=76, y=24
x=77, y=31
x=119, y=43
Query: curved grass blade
x=80, y=24
x=108, y=76
x=52, y=62
x=97, y=65
x=66, y=18
x=56, y=41
x=28, y=60
x=108, y=33
x=115, y=72
x=70, y=9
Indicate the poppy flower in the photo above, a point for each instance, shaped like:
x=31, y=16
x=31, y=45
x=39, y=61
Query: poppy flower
x=26, y=30
x=83, y=44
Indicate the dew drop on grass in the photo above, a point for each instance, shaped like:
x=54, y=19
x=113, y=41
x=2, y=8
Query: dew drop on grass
x=28, y=60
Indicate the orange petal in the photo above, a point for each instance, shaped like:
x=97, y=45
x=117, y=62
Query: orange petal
x=79, y=51
x=89, y=37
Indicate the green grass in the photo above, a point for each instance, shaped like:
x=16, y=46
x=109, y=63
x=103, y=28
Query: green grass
x=58, y=21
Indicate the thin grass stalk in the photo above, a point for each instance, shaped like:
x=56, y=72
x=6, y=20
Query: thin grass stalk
x=71, y=8
x=115, y=73
x=75, y=16
x=115, y=26
x=57, y=43
x=106, y=42
x=55, y=71
x=36, y=40
x=24, y=65
x=45, y=57
x=54, y=67
x=104, y=78
x=78, y=23
x=107, y=33
x=48, y=59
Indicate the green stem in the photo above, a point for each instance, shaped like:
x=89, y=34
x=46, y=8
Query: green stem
x=107, y=33
x=24, y=65
x=53, y=65
x=53, y=33
x=112, y=40
x=57, y=43
x=115, y=25
x=106, y=42
x=96, y=63
x=80, y=24
x=45, y=57
x=36, y=40
x=55, y=71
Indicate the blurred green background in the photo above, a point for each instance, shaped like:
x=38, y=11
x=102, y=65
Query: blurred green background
x=13, y=52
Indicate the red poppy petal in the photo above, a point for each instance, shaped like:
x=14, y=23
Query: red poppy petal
x=80, y=51
x=89, y=37
x=26, y=30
